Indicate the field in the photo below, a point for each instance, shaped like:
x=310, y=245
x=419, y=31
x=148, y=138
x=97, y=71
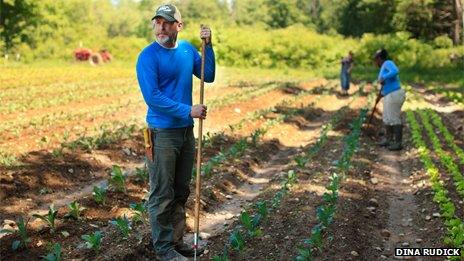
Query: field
x=290, y=170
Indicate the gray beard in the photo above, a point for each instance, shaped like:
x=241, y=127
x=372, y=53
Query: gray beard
x=165, y=40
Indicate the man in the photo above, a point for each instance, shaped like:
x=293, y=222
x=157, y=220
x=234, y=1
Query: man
x=345, y=74
x=393, y=100
x=164, y=73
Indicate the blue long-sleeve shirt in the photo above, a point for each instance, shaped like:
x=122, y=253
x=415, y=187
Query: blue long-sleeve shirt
x=389, y=74
x=165, y=80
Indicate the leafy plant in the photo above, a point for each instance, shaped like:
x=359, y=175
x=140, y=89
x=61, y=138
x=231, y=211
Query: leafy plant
x=74, y=210
x=262, y=209
x=325, y=214
x=118, y=179
x=49, y=218
x=140, y=212
x=93, y=241
x=141, y=174
x=316, y=237
x=22, y=231
x=123, y=224
x=223, y=257
x=256, y=135
x=301, y=161
x=304, y=254
x=251, y=223
x=278, y=198
x=330, y=198
x=99, y=194
x=237, y=241
x=55, y=254
x=220, y=258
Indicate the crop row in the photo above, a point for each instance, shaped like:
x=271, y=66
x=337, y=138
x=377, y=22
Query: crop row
x=454, y=225
x=31, y=78
x=445, y=159
x=455, y=95
x=436, y=119
x=250, y=223
x=63, y=118
x=82, y=93
x=117, y=183
x=326, y=211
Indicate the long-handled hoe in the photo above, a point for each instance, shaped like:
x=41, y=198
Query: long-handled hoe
x=368, y=127
x=198, y=173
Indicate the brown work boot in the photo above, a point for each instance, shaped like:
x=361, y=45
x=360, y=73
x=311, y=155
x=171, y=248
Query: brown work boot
x=388, y=138
x=397, y=143
x=188, y=250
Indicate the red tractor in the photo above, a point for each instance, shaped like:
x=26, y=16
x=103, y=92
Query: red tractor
x=95, y=58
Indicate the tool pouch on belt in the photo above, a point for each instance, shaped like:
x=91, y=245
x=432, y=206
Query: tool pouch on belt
x=147, y=136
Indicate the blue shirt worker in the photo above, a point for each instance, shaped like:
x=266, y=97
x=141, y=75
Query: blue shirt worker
x=393, y=99
x=164, y=72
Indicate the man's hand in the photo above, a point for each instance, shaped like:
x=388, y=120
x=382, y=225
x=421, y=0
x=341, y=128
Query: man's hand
x=205, y=33
x=199, y=111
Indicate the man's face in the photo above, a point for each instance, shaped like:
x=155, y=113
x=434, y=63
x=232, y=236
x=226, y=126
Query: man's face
x=165, y=31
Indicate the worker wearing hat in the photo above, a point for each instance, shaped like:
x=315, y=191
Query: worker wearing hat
x=164, y=72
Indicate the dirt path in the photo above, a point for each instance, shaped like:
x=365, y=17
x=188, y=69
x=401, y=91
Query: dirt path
x=212, y=223
x=401, y=204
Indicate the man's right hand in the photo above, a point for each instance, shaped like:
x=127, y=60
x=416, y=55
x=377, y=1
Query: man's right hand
x=199, y=111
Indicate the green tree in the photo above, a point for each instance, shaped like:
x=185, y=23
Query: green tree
x=428, y=19
x=17, y=19
x=283, y=13
x=366, y=16
x=250, y=12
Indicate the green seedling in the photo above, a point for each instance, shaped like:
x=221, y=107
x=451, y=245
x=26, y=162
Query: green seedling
x=301, y=161
x=325, y=214
x=74, y=210
x=256, y=135
x=330, y=198
x=304, y=254
x=223, y=257
x=278, y=198
x=22, y=231
x=220, y=258
x=118, y=179
x=251, y=224
x=93, y=241
x=316, y=237
x=141, y=174
x=140, y=213
x=99, y=194
x=55, y=254
x=290, y=180
x=123, y=224
x=208, y=168
x=49, y=218
x=262, y=209
x=236, y=240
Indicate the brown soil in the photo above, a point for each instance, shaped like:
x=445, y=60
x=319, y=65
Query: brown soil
x=383, y=199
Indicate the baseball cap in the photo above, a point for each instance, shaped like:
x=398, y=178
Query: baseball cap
x=168, y=12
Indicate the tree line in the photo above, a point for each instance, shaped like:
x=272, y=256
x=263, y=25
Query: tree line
x=29, y=24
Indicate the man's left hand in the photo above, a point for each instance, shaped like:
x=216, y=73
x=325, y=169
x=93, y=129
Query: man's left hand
x=205, y=33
